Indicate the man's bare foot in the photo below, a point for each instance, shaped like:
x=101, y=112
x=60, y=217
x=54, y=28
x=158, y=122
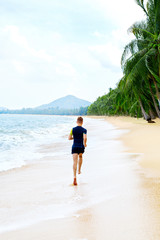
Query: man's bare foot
x=75, y=182
x=79, y=172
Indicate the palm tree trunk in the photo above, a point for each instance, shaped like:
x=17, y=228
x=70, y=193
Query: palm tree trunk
x=157, y=91
x=151, y=113
x=145, y=115
x=154, y=100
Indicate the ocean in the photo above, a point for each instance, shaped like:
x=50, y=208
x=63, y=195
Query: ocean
x=21, y=135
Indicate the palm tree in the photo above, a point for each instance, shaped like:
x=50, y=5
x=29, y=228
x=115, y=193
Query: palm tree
x=138, y=90
x=143, y=51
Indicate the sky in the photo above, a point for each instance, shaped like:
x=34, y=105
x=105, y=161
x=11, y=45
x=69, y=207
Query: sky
x=53, y=48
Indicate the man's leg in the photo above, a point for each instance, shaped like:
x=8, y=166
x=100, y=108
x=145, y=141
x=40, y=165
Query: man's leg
x=80, y=163
x=75, y=161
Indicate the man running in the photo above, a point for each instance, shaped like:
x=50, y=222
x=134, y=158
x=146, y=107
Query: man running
x=79, y=136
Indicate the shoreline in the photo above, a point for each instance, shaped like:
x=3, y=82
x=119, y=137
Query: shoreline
x=47, y=182
x=141, y=138
x=111, y=192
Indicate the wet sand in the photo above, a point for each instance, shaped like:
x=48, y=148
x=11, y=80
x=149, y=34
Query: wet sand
x=114, y=199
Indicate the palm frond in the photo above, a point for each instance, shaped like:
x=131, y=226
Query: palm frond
x=152, y=64
x=132, y=48
x=133, y=61
x=152, y=16
x=141, y=4
x=157, y=17
x=136, y=68
x=140, y=31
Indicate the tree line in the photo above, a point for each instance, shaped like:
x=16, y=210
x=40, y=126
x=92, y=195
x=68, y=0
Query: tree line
x=137, y=93
x=48, y=111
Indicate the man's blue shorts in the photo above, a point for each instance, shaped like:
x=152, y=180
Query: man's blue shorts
x=77, y=150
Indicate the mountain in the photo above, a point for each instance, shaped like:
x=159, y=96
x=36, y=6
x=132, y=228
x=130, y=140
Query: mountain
x=67, y=102
x=68, y=105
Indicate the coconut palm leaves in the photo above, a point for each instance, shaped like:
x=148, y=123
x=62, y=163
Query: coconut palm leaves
x=144, y=64
x=139, y=87
x=157, y=16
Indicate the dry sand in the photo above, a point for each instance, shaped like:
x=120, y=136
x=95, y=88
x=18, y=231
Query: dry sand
x=142, y=138
x=128, y=205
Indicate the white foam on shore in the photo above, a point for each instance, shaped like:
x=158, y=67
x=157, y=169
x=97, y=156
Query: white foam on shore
x=20, y=135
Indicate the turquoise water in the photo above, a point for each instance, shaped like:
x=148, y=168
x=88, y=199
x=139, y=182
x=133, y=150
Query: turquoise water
x=20, y=135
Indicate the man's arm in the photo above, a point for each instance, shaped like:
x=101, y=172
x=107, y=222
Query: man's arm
x=70, y=137
x=85, y=139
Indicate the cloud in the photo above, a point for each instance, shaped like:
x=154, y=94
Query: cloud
x=21, y=41
x=99, y=35
x=51, y=49
x=19, y=66
x=15, y=36
x=108, y=55
x=121, y=13
x=65, y=69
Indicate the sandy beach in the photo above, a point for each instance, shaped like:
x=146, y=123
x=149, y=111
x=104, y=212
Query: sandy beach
x=117, y=196
x=141, y=138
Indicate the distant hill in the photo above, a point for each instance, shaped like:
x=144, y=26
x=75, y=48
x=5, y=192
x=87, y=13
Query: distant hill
x=68, y=105
x=67, y=102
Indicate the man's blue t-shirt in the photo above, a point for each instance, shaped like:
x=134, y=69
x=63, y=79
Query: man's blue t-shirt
x=77, y=133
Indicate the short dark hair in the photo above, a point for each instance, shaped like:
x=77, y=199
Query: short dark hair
x=80, y=119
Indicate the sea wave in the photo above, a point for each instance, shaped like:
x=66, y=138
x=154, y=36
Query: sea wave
x=21, y=134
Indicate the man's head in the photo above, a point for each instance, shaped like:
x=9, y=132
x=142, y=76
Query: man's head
x=80, y=121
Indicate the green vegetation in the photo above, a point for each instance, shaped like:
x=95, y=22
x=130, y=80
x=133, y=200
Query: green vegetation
x=137, y=93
